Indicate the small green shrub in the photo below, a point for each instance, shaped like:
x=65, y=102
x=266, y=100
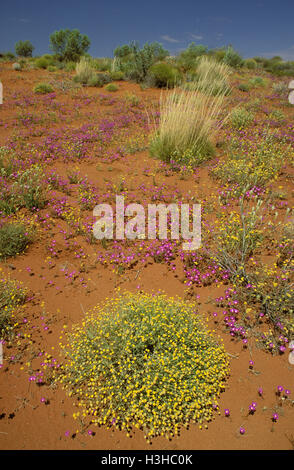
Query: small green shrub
x=43, y=88
x=253, y=105
x=280, y=88
x=257, y=82
x=41, y=63
x=277, y=115
x=132, y=99
x=232, y=58
x=164, y=75
x=244, y=87
x=111, y=87
x=250, y=64
x=241, y=118
x=14, y=239
x=70, y=66
x=117, y=75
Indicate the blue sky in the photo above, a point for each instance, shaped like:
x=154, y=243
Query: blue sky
x=260, y=27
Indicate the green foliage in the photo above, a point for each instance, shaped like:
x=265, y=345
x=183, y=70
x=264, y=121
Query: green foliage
x=164, y=75
x=24, y=48
x=252, y=165
x=122, y=51
x=69, y=45
x=24, y=189
x=43, y=88
x=250, y=64
x=117, y=75
x=257, y=82
x=144, y=361
x=238, y=236
x=98, y=79
x=8, y=55
x=14, y=239
x=41, y=63
x=102, y=64
x=70, y=66
x=135, y=62
x=280, y=88
x=241, y=118
x=187, y=60
x=232, y=58
x=244, y=87
x=111, y=87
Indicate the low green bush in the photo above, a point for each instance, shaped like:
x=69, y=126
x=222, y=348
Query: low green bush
x=250, y=64
x=111, y=87
x=164, y=75
x=14, y=239
x=43, y=88
x=42, y=63
x=241, y=118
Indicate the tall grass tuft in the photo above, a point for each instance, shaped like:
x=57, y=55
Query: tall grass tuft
x=84, y=70
x=187, y=124
x=212, y=77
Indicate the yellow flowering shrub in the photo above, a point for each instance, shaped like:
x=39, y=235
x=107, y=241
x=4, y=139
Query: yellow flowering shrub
x=144, y=361
x=12, y=295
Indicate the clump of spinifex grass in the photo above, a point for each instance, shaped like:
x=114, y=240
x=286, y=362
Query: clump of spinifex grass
x=211, y=77
x=144, y=361
x=187, y=124
x=12, y=295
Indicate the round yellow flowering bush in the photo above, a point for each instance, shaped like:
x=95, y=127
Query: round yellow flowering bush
x=144, y=361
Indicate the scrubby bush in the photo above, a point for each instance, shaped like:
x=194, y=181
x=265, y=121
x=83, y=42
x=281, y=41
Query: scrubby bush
x=252, y=165
x=70, y=66
x=232, y=58
x=117, y=75
x=187, y=59
x=257, y=82
x=69, y=45
x=143, y=361
x=111, y=87
x=135, y=62
x=43, y=88
x=250, y=64
x=280, y=88
x=23, y=188
x=244, y=87
x=164, y=75
x=8, y=55
x=99, y=79
x=102, y=64
x=241, y=118
x=41, y=63
x=24, y=48
x=14, y=238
